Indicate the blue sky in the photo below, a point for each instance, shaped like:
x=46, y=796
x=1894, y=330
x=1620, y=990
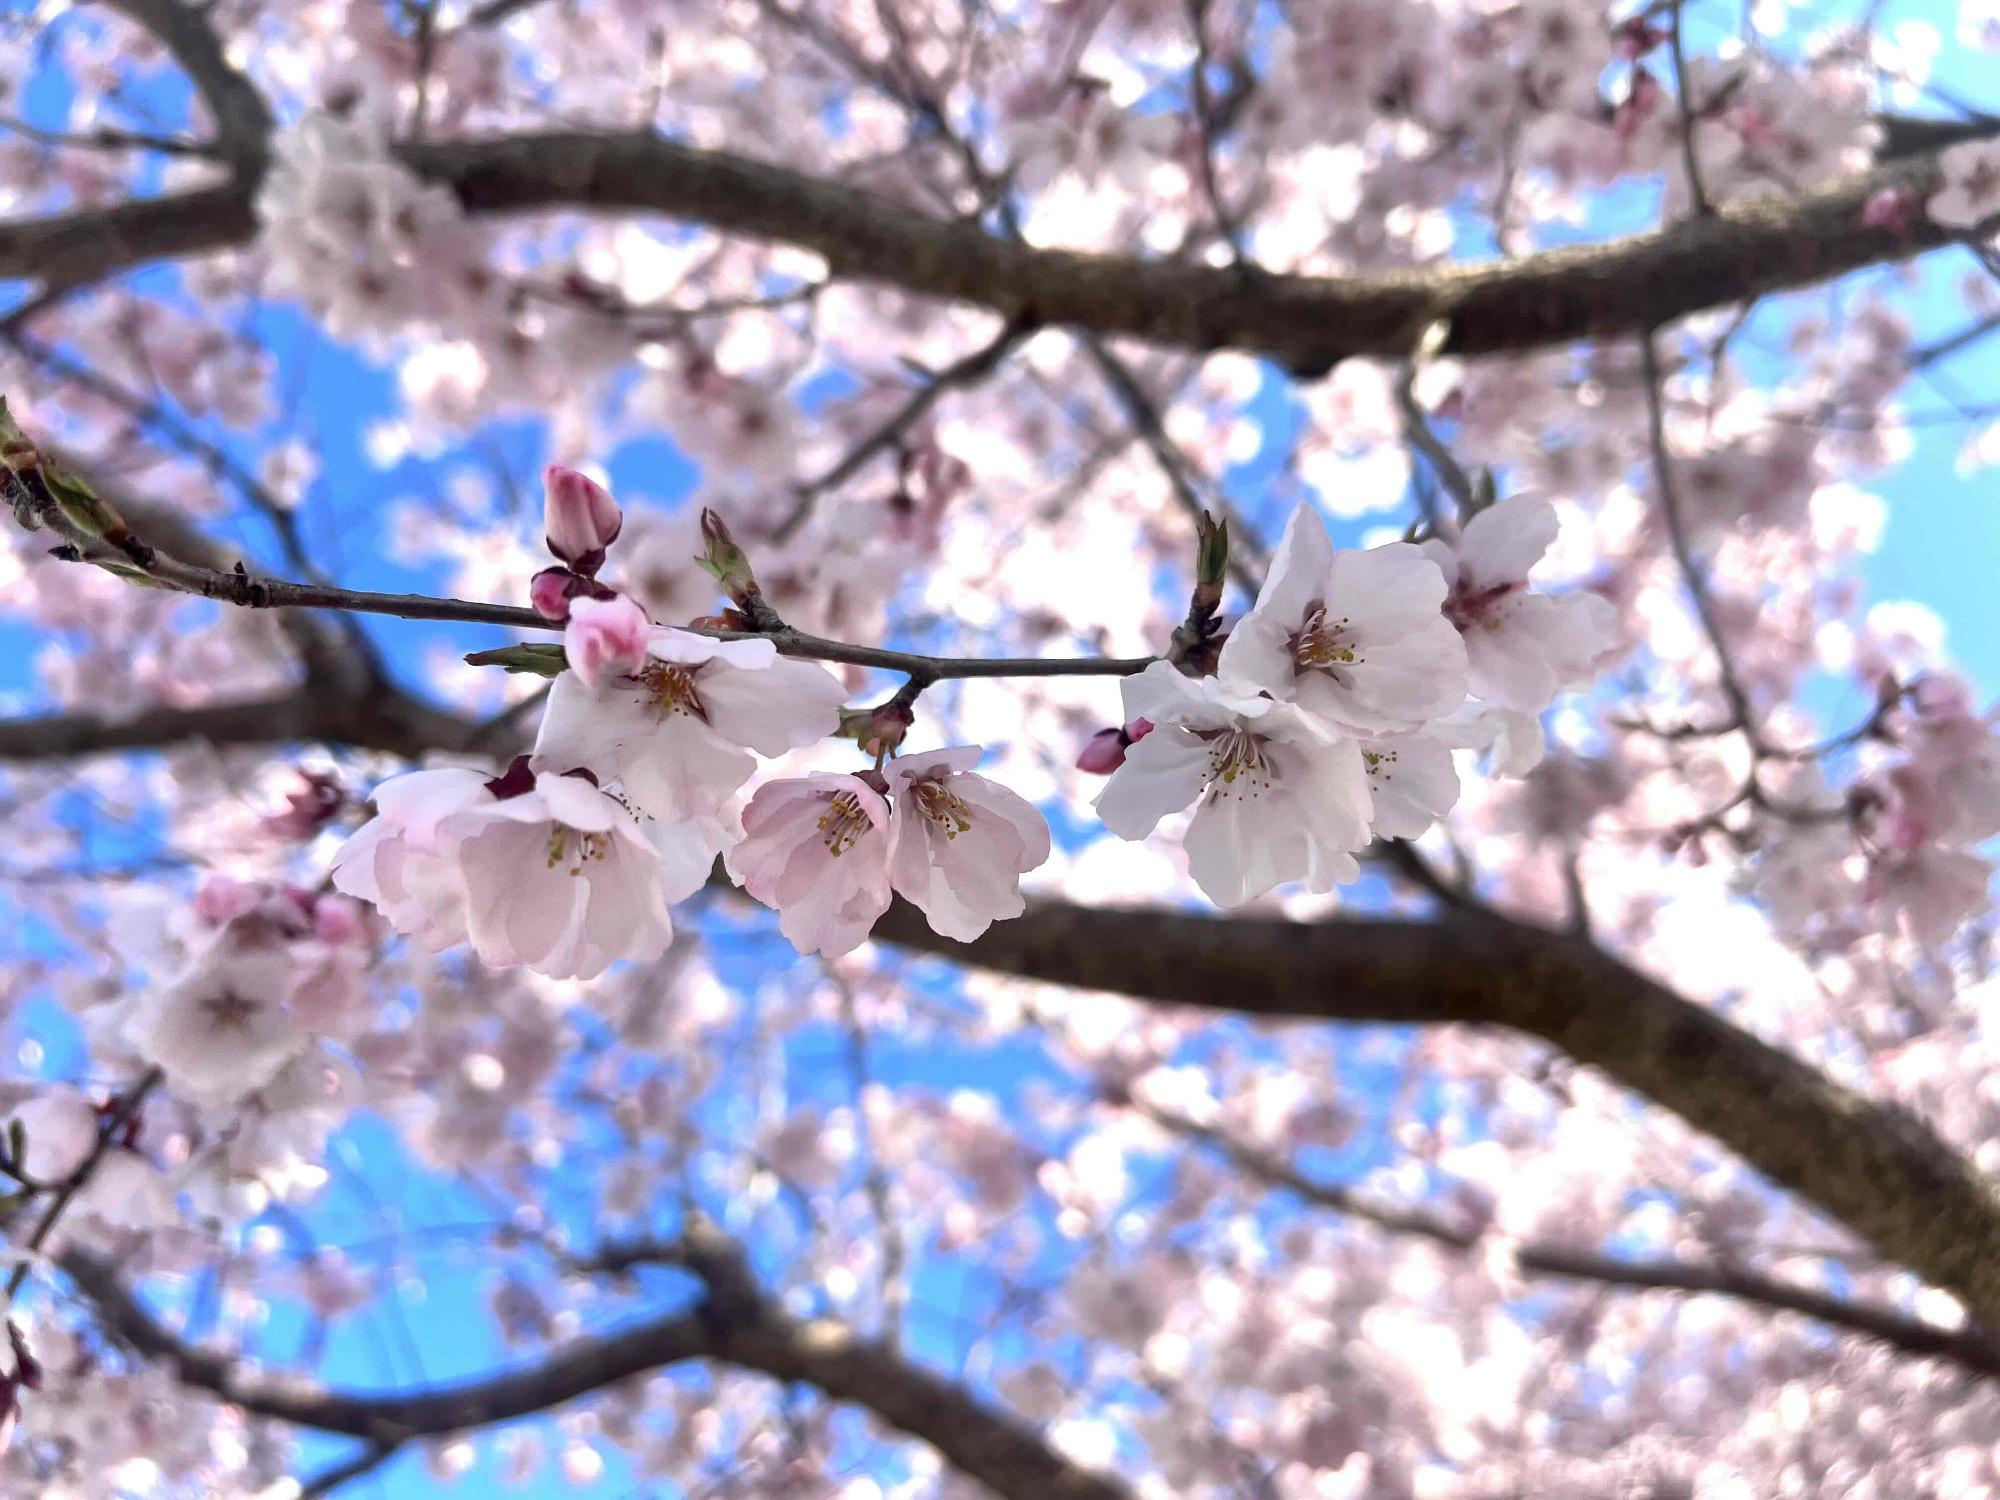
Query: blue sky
x=1940, y=547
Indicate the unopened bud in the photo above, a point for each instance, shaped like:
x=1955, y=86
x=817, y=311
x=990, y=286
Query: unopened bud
x=1891, y=208
x=579, y=518
x=549, y=593
x=727, y=563
x=310, y=807
x=605, y=638
x=1105, y=751
x=878, y=731
x=1211, y=564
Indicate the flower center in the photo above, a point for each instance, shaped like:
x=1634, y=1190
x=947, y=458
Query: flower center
x=945, y=809
x=575, y=848
x=1239, y=764
x=671, y=687
x=1323, y=643
x=229, y=1010
x=1467, y=607
x=842, y=824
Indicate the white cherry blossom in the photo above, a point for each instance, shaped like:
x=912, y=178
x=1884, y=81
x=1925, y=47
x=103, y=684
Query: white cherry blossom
x=59, y=1126
x=677, y=732
x=1411, y=781
x=1355, y=638
x=1277, y=796
x=226, y=1029
x=1522, y=647
x=397, y=862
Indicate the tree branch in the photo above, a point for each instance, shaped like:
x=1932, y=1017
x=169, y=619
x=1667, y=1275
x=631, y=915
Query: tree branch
x=1746, y=248
x=242, y=118
x=1969, y=1347
x=736, y=1324
x=1875, y=1167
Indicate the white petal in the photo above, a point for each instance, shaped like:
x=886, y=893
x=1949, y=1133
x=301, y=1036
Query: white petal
x=1162, y=774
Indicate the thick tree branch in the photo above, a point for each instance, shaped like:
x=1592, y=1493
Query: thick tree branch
x=736, y=1324
x=1875, y=1167
x=242, y=118
x=385, y=719
x=1746, y=248
x=1969, y=1347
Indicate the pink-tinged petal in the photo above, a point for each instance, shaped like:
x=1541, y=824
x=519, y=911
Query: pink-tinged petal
x=1258, y=655
x=1504, y=542
x=1162, y=774
x=1299, y=568
x=605, y=639
x=784, y=705
x=686, y=648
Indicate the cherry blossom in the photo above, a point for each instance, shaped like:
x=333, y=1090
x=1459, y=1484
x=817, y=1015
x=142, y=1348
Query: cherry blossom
x=1356, y=638
x=678, y=729
x=997, y=366
x=959, y=843
x=60, y=1128
x=1971, y=192
x=564, y=879
x=402, y=865
x=225, y=1030
x=1277, y=796
x=1522, y=647
x=816, y=848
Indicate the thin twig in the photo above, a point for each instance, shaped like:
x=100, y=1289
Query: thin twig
x=1690, y=158
x=107, y=1138
x=1677, y=536
x=242, y=589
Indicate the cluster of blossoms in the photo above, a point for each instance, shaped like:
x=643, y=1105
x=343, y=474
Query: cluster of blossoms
x=1337, y=701
x=572, y=858
x=1330, y=720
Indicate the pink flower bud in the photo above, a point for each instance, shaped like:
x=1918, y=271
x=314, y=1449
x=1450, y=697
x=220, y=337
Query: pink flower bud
x=606, y=638
x=336, y=919
x=550, y=591
x=315, y=803
x=1103, y=753
x=221, y=899
x=580, y=518
x=1891, y=208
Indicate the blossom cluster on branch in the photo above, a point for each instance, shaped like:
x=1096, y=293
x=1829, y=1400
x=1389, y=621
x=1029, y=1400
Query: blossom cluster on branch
x=387, y=1058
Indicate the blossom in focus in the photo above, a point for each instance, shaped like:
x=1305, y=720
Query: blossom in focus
x=1357, y=639
x=563, y=879
x=580, y=520
x=605, y=638
x=816, y=849
x=1522, y=647
x=397, y=863
x=677, y=730
x=1277, y=796
x=1411, y=781
x=959, y=843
